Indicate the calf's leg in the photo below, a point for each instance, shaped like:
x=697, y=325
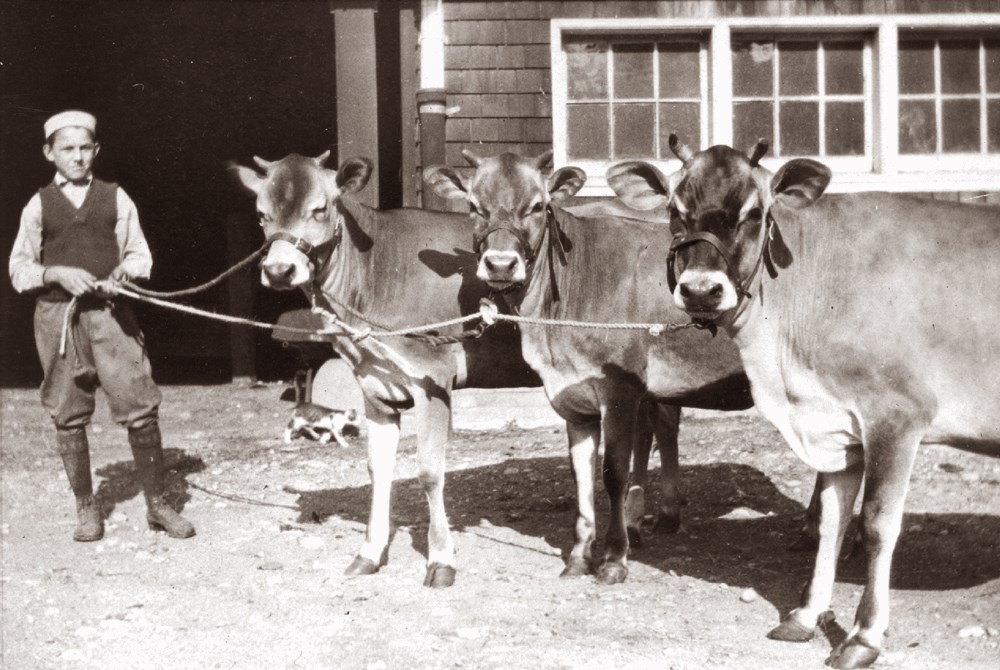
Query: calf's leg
x=433, y=411
x=383, y=442
x=642, y=447
x=618, y=425
x=888, y=465
x=583, y=441
x=837, y=492
x=667, y=419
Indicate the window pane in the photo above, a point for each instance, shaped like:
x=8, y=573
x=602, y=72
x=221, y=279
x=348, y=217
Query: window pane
x=797, y=68
x=680, y=71
x=799, y=128
x=960, y=125
x=752, y=73
x=683, y=118
x=917, y=131
x=587, y=127
x=960, y=66
x=633, y=70
x=845, y=129
x=844, y=69
x=993, y=66
x=751, y=121
x=916, y=66
x=587, y=71
x=634, y=129
x=993, y=111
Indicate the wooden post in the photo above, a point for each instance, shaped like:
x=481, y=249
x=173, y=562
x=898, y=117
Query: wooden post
x=242, y=341
x=368, y=99
x=432, y=98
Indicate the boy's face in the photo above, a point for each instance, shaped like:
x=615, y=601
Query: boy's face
x=72, y=151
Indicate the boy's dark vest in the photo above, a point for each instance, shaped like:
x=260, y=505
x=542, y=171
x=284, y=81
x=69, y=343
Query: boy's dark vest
x=82, y=238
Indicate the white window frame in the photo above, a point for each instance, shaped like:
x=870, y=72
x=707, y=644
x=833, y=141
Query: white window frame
x=889, y=171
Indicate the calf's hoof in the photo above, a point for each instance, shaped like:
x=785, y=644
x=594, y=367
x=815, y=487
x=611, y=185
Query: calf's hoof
x=612, y=573
x=790, y=630
x=439, y=576
x=361, y=566
x=852, y=653
x=575, y=567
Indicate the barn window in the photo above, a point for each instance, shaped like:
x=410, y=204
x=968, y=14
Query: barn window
x=625, y=98
x=809, y=97
x=949, y=96
x=889, y=102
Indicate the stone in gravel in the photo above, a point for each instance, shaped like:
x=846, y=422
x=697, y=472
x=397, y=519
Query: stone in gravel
x=890, y=657
x=118, y=517
x=972, y=631
x=749, y=595
x=311, y=542
x=269, y=565
x=743, y=513
x=85, y=631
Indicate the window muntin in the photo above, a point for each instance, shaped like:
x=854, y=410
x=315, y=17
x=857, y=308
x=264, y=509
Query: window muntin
x=624, y=98
x=883, y=167
x=949, y=95
x=810, y=97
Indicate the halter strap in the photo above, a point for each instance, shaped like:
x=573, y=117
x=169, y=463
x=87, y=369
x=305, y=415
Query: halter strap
x=318, y=254
x=531, y=253
x=683, y=240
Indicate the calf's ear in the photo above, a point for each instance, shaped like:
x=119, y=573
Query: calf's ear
x=639, y=185
x=353, y=174
x=248, y=177
x=800, y=182
x=565, y=182
x=446, y=182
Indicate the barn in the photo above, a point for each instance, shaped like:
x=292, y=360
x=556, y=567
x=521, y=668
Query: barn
x=900, y=95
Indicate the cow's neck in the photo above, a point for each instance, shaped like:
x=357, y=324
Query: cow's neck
x=346, y=275
x=543, y=293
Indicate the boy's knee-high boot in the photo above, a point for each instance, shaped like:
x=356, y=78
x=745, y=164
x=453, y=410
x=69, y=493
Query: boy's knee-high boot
x=147, y=450
x=75, y=453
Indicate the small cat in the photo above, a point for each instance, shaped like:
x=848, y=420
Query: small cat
x=317, y=422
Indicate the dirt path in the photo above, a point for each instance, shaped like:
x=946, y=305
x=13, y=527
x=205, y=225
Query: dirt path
x=260, y=586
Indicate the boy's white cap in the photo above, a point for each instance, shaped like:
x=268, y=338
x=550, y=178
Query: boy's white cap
x=72, y=117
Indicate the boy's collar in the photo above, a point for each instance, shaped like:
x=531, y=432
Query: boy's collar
x=62, y=181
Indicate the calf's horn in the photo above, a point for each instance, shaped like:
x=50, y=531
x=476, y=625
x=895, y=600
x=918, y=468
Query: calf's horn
x=543, y=159
x=682, y=151
x=263, y=164
x=473, y=159
x=322, y=158
x=757, y=152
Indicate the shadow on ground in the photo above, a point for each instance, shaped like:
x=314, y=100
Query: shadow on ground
x=120, y=482
x=737, y=527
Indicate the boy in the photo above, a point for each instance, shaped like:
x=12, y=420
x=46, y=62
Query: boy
x=75, y=231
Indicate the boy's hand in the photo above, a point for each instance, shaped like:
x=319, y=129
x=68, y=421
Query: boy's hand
x=76, y=281
x=119, y=274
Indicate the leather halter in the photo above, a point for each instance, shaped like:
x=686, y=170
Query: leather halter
x=531, y=253
x=318, y=254
x=682, y=240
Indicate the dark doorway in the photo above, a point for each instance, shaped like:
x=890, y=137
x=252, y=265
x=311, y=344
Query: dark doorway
x=179, y=88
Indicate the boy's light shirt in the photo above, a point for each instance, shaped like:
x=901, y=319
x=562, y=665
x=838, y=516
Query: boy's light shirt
x=25, y=258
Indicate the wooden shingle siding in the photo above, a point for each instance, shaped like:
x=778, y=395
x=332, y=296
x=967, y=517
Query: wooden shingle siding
x=498, y=64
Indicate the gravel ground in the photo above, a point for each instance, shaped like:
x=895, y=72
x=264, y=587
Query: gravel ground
x=261, y=585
